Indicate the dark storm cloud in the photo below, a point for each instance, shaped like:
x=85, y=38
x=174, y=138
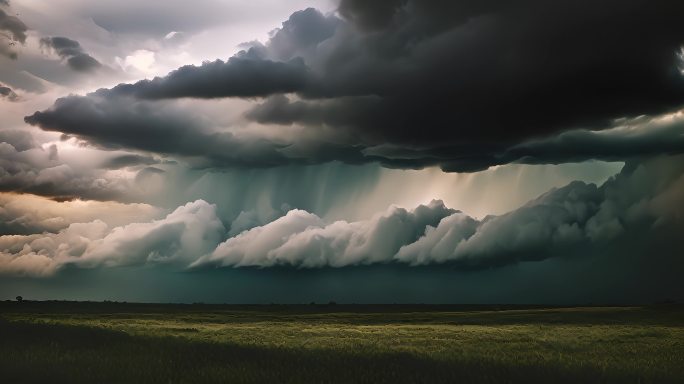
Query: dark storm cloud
x=640, y=137
x=463, y=85
x=126, y=123
x=237, y=77
x=71, y=50
x=123, y=122
x=449, y=72
x=488, y=75
x=370, y=15
x=12, y=32
x=300, y=34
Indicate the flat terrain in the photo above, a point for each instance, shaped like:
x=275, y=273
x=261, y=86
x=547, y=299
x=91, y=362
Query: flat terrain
x=123, y=343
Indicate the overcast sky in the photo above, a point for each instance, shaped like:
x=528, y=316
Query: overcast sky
x=385, y=151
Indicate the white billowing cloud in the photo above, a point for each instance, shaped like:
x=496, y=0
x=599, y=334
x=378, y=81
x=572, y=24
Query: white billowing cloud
x=303, y=239
x=641, y=199
x=556, y=218
x=438, y=243
x=44, y=254
x=252, y=247
x=190, y=230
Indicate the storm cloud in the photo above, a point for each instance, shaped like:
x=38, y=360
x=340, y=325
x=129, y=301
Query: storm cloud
x=464, y=85
x=123, y=122
x=71, y=50
x=237, y=77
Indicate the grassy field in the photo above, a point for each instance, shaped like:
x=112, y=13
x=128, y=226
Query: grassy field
x=123, y=343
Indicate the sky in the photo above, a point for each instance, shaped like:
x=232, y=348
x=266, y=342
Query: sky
x=394, y=151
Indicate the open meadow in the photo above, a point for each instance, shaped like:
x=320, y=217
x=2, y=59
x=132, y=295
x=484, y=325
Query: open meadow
x=124, y=343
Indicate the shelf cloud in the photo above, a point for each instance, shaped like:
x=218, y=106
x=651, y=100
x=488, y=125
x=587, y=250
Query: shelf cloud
x=643, y=198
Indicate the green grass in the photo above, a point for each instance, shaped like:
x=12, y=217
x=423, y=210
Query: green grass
x=122, y=343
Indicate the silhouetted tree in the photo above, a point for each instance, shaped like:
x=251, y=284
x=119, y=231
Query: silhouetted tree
x=20, y=299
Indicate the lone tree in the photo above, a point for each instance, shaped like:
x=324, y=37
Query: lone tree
x=20, y=299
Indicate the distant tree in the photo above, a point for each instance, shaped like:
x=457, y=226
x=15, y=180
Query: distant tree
x=20, y=299
x=332, y=303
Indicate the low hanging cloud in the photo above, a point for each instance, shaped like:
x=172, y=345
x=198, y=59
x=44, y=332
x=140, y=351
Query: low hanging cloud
x=302, y=239
x=411, y=84
x=190, y=230
x=71, y=50
x=645, y=198
x=642, y=199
